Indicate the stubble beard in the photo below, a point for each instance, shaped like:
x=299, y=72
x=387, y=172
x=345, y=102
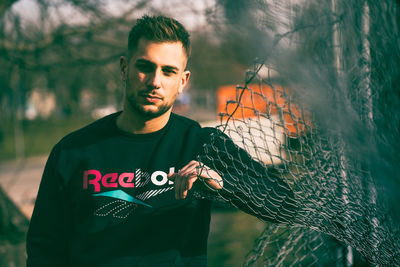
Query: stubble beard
x=139, y=109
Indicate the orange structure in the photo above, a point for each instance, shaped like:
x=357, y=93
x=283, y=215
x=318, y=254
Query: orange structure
x=260, y=100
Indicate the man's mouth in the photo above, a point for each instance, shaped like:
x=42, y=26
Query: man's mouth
x=151, y=98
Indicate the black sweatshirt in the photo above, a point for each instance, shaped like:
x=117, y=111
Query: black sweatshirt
x=105, y=200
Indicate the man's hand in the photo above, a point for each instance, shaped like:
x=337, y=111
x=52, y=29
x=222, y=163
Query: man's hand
x=184, y=179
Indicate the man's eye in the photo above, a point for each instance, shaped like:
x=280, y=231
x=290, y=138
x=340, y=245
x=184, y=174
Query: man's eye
x=169, y=72
x=146, y=68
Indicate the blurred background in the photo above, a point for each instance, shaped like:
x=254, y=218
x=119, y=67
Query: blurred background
x=60, y=71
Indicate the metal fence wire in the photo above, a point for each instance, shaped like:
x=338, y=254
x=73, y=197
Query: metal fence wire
x=320, y=168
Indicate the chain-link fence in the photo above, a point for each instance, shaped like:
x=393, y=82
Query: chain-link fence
x=315, y=150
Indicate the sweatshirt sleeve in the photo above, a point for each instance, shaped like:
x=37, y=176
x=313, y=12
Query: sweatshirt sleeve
x=248, y=184
x=48, y=230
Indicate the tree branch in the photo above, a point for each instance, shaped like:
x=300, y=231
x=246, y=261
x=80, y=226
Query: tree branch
x=5, y=4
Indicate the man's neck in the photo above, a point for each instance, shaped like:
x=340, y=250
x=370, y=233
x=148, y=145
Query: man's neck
x=132, y=122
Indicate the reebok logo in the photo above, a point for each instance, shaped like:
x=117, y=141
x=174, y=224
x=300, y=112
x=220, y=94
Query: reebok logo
x=124, y=180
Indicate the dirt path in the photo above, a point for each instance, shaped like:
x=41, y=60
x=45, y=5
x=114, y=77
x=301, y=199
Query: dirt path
x=20, y=180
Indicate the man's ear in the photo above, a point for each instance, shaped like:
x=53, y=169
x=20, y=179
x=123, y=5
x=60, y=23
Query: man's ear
x=123, y=66
x=184, y=81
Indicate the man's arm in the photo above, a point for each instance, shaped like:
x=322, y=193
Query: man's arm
x=48, y=229
x=248, y=184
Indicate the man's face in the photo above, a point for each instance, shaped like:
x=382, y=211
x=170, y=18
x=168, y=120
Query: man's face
x=154, y=76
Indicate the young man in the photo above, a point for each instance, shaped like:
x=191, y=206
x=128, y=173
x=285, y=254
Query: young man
x=121, y=191
x=118, y=192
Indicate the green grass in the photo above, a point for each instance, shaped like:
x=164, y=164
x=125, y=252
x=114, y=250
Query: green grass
x=39, y=136
x=232, y=236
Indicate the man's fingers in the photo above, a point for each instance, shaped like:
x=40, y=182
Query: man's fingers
x=184, y=194
x=177, y=185
x=191, y=181
x=212, y=178
x=181, y=187
x=171, y=176
x=185, y=178
x=183, y=184
x=188, y=168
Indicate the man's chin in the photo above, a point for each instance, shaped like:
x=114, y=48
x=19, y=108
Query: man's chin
x=150, y=112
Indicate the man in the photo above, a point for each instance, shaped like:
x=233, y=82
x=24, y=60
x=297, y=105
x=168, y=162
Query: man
x=115, y=193
x=121, y=191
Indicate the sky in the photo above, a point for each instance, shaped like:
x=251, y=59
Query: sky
x=189, y=12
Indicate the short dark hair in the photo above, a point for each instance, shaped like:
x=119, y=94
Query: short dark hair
x=158, y=29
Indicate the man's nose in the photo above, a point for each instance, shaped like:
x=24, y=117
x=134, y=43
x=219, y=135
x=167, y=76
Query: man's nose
x=155, y=79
